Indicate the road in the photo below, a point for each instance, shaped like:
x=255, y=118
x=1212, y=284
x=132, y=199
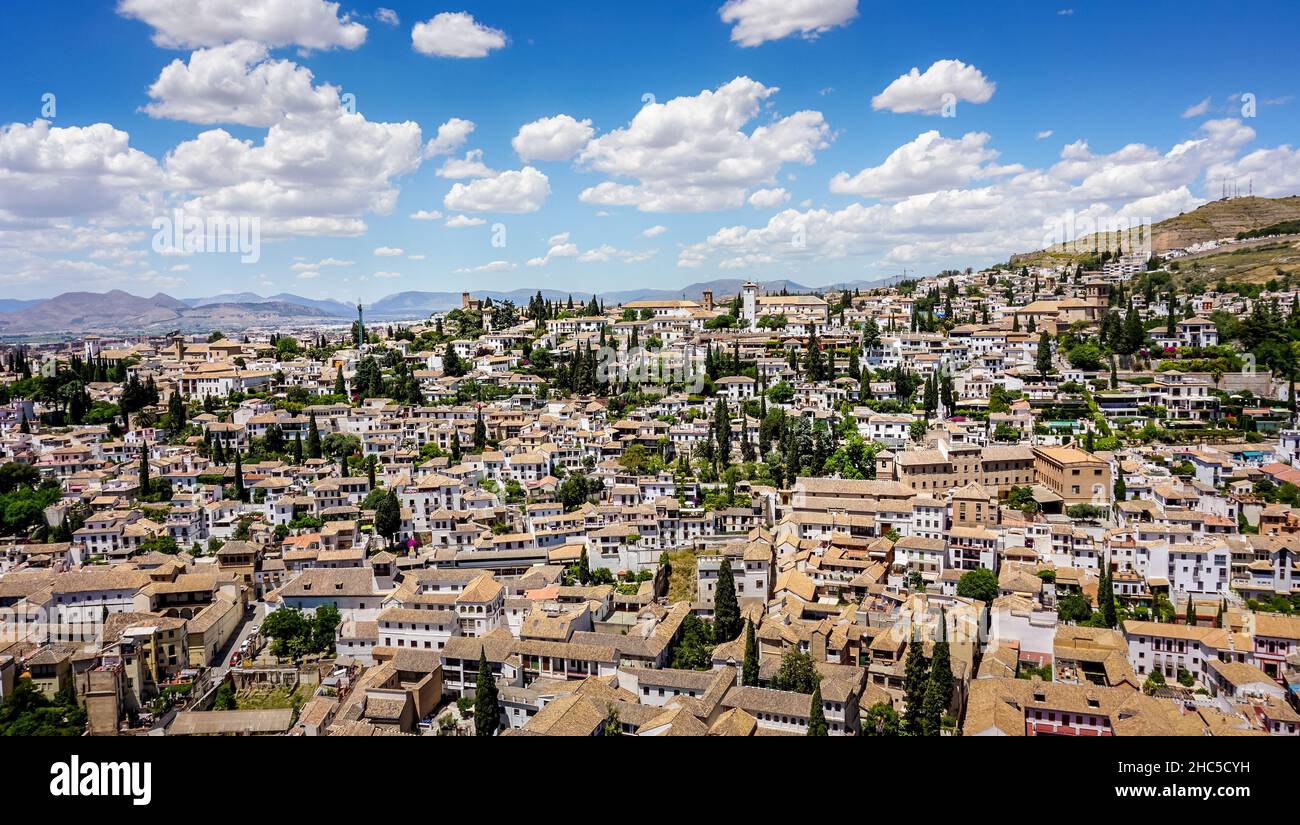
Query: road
x=255, y=616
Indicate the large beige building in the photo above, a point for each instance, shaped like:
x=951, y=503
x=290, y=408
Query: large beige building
x=1075, y=476
x=950, y=465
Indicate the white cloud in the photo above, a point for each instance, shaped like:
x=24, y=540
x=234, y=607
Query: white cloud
x=415, y=257
x=450, y=137
x=470, y=166
x=690, y=155
x=388, y=252
x=655, y=231
x=928, y=163
x=1044, y=135
x=307, y=177
x=50, y=172
x=927, y=93
x=515, y=192
x=1197, y=109
x=236, y=83
x=455, y=34
x=1014, y=213
x=493, y=266
x=309, y=266
x=552, y=138
x=757, y=21
x=312, y=24
x=386, y=275
x=768, y=198
x=387, y=16
x=426, y=215
x=561, y=247
x=1270, y=173
x=463, y=221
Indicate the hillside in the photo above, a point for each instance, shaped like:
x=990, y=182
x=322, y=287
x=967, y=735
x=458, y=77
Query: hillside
x=1209, y=222
x=118, y=311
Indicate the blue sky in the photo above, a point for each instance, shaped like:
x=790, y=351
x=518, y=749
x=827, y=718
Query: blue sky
x=784, y=137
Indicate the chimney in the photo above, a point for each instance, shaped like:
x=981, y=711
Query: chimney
x=708, y=300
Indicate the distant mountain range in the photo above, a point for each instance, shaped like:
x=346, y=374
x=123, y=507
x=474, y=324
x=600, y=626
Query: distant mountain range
x=118, y=311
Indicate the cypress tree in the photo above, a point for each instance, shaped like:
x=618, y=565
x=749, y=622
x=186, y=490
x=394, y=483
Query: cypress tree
x=313, y=438
x=487, y=711
x=915, y=680
x=176, y=413
x=938, y=689
x=816, y=715
x=240, y=492
x=297, y=448
x=584, y=568
x=1218, y=617
x=480, y=432
x=726, y=612
x=1190, y=617
x=455, y=446
x=1106, y=595
x=749, y=670
x=144, y=468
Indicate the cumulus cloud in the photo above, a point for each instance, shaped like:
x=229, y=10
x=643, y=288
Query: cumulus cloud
x=758, y=21
x=470, y=166
x=387, y=16
x=929, y=162
x=236, y=83
x=48, y=172
x=691, y=154
x=455, y=34
x=449, y=138
x=1013, y=212
x=426, y=215
x=561, y=247
x=186, y=24
x=1270, y=173
x=1197, y=109
x=768, y=198
x=494, y=266
x=463, y=221
x=552, y=138
x=655, y=231
x=514, y=191
x=1044, y=135
x=388, y=252
x=926, y=93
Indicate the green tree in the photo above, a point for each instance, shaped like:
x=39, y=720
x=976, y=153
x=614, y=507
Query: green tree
x=240, y=492
x=979, y=583
x=938, y=690
x=880, y=720
x=726, y=611
x=487, y=710
x=916, y=678
x=1043, y=360
x=797, y=673
x=313, y=438
x=225, y=698
x=388, y=516
x=817, y=714
x=749, y=670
